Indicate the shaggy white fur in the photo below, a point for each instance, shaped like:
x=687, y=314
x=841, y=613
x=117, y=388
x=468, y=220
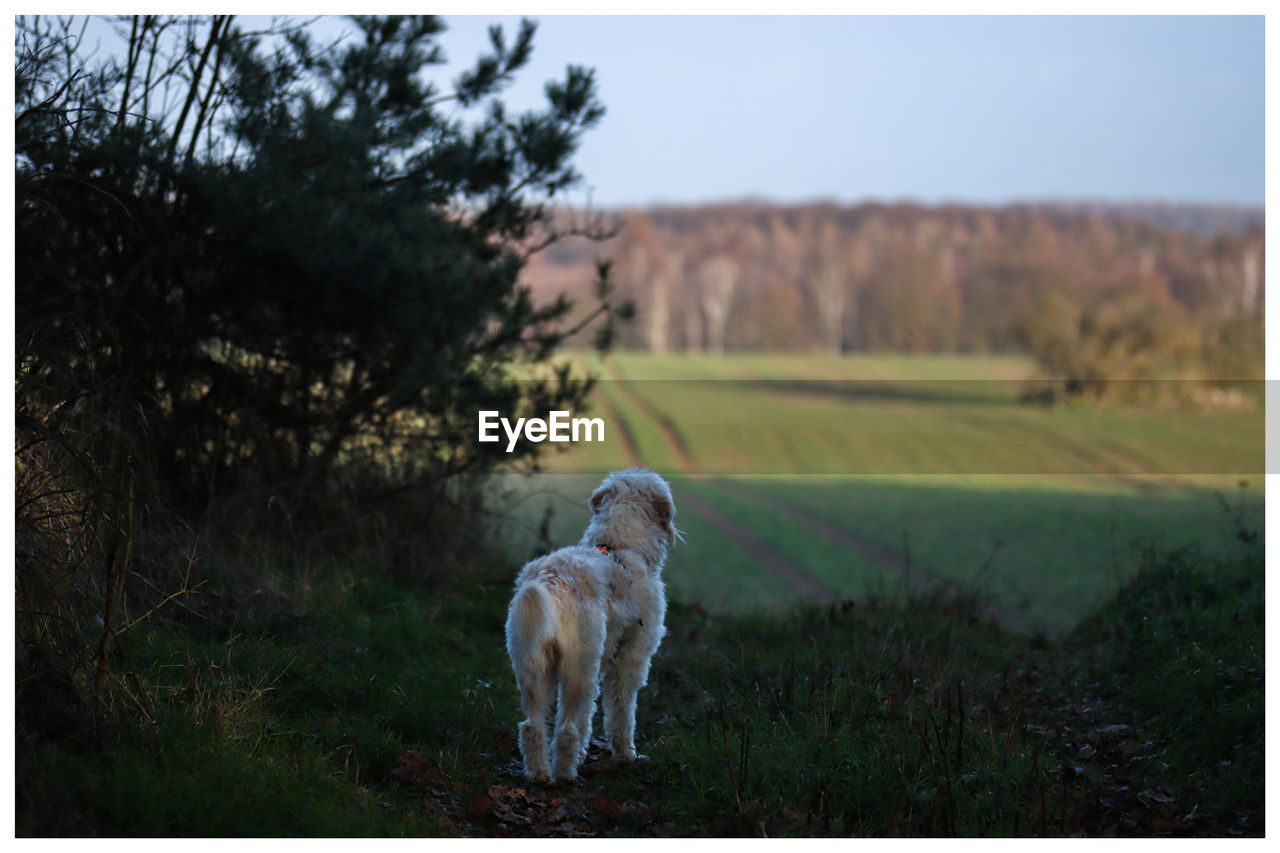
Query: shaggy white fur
x=591, y=609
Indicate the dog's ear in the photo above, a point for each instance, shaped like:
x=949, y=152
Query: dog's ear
x=601, y=496
x=665, y=512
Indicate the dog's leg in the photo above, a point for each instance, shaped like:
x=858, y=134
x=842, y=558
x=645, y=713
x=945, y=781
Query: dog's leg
x=579, y=682
x=623, y=679
x=536, y=688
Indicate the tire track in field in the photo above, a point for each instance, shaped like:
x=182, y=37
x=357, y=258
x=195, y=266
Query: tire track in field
x=1096, y=462
x=918, y=576
x=670, y=433
x=629, y=446
x=1148, y=467
x=800, y=580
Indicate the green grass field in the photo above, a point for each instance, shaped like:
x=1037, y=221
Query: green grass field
x=869, y=472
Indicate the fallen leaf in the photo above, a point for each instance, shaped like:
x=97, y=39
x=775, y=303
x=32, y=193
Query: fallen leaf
x=478, y=807
x=412, y=769
x=606, y=807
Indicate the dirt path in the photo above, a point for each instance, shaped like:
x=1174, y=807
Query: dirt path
x=510, y=806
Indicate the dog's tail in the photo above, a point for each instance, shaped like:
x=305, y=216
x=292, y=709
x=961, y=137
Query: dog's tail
x=531, y=629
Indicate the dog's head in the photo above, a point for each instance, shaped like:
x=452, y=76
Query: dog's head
x=633, y=509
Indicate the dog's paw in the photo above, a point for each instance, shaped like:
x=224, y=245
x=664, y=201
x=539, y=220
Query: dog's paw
x=539, y=774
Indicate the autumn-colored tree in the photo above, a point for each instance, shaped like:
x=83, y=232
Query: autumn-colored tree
x=946, y=279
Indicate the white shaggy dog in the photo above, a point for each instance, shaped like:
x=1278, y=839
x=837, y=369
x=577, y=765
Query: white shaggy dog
x=594, y=607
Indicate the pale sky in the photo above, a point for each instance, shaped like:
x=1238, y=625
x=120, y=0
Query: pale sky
x=930, y=109
x=985, y=109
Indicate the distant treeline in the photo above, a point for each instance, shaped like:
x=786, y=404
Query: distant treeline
x=875, y=277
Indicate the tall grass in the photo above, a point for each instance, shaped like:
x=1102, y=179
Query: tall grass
x=103, y=563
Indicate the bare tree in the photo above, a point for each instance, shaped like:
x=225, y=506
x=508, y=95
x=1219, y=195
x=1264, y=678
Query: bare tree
x=829, y=284
x=1251, y=279
x=1238, y=285
x=694, y=338
x=660, y=312
x=718, y=277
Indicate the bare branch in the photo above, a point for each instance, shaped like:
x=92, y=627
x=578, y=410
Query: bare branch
x=193, y=91
x=213, y=85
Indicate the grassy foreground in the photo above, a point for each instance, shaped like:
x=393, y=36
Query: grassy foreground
x=382, y=710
